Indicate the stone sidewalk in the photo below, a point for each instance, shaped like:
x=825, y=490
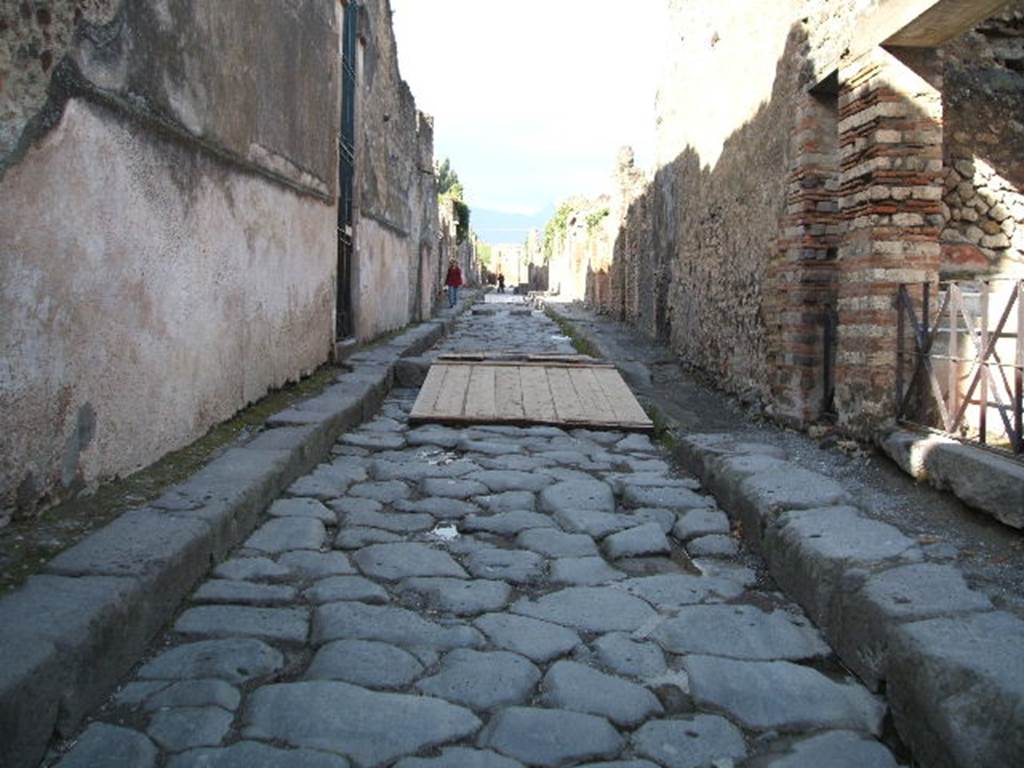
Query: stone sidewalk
x=489, y=597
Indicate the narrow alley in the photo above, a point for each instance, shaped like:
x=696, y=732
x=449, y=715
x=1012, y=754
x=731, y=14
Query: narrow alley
x=492, y=596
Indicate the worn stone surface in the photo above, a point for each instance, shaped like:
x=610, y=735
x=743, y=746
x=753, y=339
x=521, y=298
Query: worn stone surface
x=236, y=660
x=550, y=737
x=780, y=695
x=460, y=757
x=665, y=498
x=591, y=609
x=516, y=565
x=316, y=565
x=287, y=533
x=593, y=495
x=690, y=742
x=833, y=749
x=252, y=754
x=482, y=681
x=365, y=663
x=288, y=624
x=569, y=685
x=647, y=539
x=340, y=588
x=712, y=546
x=389, y=624
x=700, y=522
x=463, y=597
x=226, y=591
x=553, y=543
x=621, y=654
x=184, y=728
x=370, y=728
x=394, y=562
x=739, y=632
x=302, y=508
x=537, y=640
x=196, y=693
x=108, y=744
x=506, y=523
x=672, y=590
x=583, y=571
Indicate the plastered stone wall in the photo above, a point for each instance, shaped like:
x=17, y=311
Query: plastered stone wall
x=167, y=232
x=397, y=260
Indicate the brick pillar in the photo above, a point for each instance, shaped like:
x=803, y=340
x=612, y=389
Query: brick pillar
x=803, y=274
x=891, y=204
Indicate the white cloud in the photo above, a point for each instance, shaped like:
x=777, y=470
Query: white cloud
x=532, y=99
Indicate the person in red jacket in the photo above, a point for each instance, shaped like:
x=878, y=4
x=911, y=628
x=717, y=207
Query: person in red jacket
x=453, y=280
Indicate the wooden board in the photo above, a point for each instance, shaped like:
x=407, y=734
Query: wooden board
x=551, y=391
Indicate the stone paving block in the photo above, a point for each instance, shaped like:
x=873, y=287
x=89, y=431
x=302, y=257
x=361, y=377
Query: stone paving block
x=452, y=488
x=809, y=552
x=956, y=686
x=488, y=447
x=316, y=565
x=394, y=562
x=509, y=501
x=302, y=507
x=252, y=754
x=370, y=728
x=506, y=523
x=516, y=462
x=403, y=522
x=341, y=588
x=672, y=590
x=384, y=491
x=540, y=641
x=569, y=685
x=594, y=524
x=243, y=592
x=329, y=481
x=463, y=597
x=622, y=764
x=196, y=693
x=555, y=543
x=358, y=537
x=73, y=639
x=765, y=495
x=442, y=437
x=482, y=680
x=440, y=509
x=237, y=660
x=103, y=744
x=348, y=504
x=499, y=481
x=781, y=696
x=619, y=480
x=864, y=620
x=624, y=656
x=251, y=569
x=187, y=727
x=647, y=539
x=583, y=571
x=592, y=495
x=550, y=737
x=517, y=566
x=135, y=693
x=700, y=522
x=740, y=632
x=283, y=534
x=832, y=749
x=460, y=757
x=677, y=499
x=286, y=624
x=692, y=742
x=388, y=624
x=375, y=441
x=715, y=545
x=590, y=609
x=665, y=518
x=636, y=444
x=366, y=663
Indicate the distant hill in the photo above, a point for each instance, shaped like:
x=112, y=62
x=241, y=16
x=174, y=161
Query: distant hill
x=497, y=227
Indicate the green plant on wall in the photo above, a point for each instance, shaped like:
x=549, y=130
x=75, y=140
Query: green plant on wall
x=461, y=220
x=595, y=218
x=556, y=228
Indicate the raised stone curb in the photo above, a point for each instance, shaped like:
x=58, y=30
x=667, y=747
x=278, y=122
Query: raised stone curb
x=949, y=661
x=70, y=633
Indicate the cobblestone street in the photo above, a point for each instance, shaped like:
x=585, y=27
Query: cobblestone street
x=489, y=597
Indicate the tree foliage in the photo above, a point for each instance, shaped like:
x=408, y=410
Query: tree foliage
x=448, y=180
x=556, y=228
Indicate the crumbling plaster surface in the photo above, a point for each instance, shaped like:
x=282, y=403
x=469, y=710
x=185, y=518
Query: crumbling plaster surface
x=189, y=67
x=148, y=293
x=396, y=195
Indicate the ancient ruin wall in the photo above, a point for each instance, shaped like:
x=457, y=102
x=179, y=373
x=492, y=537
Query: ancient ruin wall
x=396, y=195
x=167, y=249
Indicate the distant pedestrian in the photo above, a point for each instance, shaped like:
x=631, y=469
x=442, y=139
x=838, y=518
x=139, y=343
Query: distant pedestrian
x=453, y=280
x=501, y=283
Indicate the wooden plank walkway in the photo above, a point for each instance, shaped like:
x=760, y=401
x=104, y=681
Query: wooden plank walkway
x=555, y=391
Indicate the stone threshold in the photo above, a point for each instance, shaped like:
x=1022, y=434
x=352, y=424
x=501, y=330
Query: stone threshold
x=950, y=663
x=71, y=632
x=981, y=479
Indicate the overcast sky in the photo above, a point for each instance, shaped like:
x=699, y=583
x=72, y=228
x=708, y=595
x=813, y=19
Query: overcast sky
x=532, y=99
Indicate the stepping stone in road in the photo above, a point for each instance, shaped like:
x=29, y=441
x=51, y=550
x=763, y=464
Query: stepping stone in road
x=368, y=727
x=482, y=681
